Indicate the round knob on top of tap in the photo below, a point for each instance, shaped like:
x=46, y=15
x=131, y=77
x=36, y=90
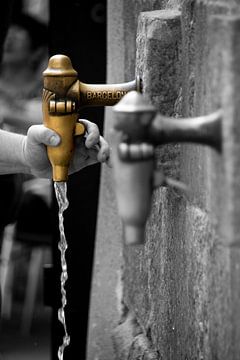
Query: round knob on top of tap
x=133, y=114
x=59, y=75
x=60, y=65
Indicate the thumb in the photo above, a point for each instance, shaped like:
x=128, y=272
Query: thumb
x=39, y=134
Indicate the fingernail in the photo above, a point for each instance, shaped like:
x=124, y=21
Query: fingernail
x=54, y=140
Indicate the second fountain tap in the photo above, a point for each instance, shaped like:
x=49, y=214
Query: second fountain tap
x=138, y=130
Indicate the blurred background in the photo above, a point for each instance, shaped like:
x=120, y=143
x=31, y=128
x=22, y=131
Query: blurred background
x=25, y=326
x=30, y=259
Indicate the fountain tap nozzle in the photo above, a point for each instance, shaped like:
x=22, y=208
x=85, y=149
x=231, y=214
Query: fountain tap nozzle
x=63, y=96
x=138, y=129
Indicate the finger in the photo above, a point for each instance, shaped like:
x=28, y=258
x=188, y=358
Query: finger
x=103, y=150
x=92, y=133
x=39, y=134
x=99, y=152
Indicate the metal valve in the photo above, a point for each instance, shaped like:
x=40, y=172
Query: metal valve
x=139, y=129
x=63, y=97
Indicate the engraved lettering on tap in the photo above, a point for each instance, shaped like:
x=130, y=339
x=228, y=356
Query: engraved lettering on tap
x=106, y=95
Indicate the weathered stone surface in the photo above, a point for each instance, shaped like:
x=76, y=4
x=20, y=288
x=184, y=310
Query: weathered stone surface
x=178, y=296
x=130, y=343
x=183, y=274
x=159, y=57
x=227, y=28
x=107, y=287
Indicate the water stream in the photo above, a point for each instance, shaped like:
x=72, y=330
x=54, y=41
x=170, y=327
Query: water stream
x=61, y=195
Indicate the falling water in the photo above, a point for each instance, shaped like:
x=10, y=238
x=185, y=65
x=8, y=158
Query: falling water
x=61, y=195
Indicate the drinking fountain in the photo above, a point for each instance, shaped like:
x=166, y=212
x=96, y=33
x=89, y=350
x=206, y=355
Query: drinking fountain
x=63, y=97
x=138, y=128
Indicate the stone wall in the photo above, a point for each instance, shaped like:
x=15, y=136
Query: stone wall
x=177, y=296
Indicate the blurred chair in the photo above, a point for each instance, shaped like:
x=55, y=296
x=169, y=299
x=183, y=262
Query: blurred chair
x=24, y=59
x=31, y=232
x=11, y=196
x=6, y=270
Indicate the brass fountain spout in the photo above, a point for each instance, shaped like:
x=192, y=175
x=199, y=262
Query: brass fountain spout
x=63, y=96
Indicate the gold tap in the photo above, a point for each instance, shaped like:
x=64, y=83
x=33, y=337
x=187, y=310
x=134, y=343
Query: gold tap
x=63, y=96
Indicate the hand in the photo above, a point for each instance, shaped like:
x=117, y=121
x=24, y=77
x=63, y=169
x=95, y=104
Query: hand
x=89, y=149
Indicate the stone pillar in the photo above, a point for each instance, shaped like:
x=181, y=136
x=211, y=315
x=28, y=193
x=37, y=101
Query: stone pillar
x=177, y=296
